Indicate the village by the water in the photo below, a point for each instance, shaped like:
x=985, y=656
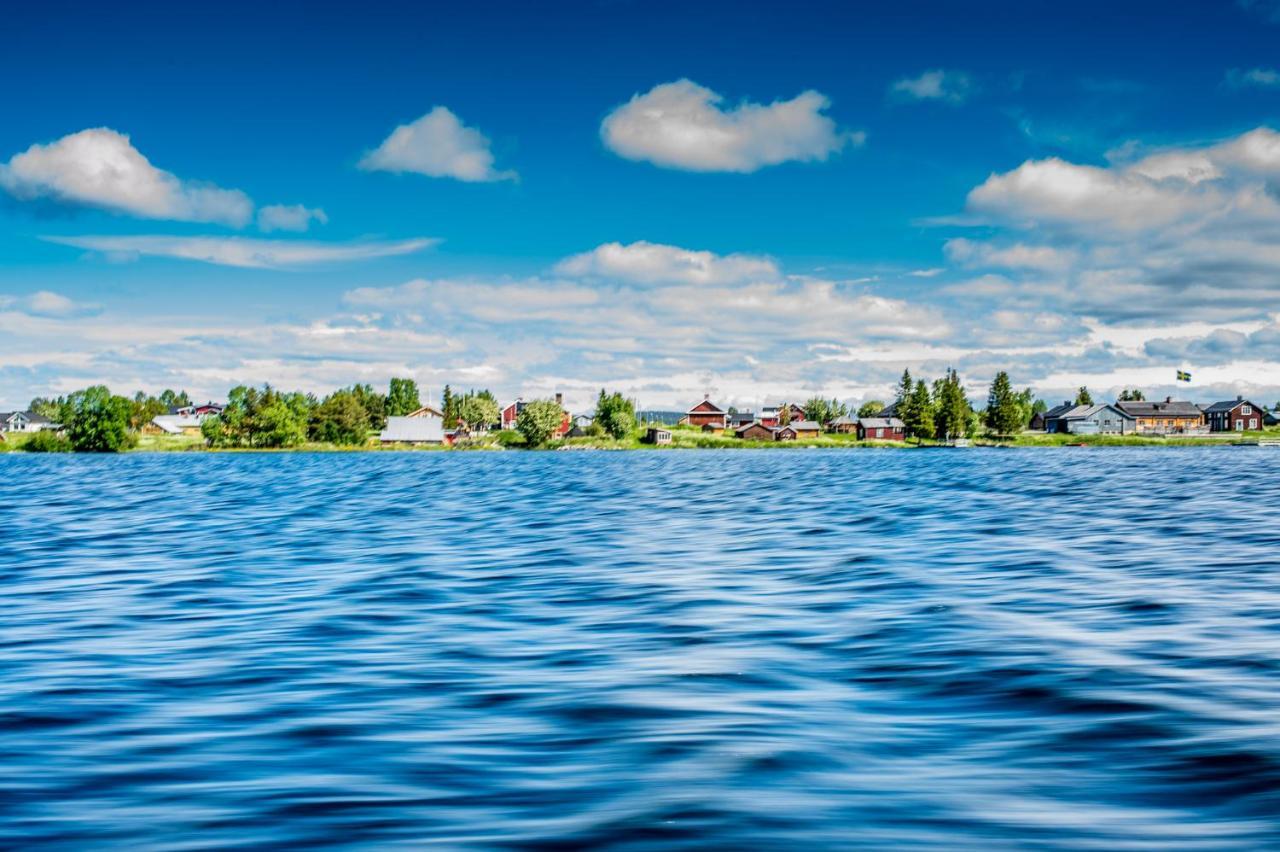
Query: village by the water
x=921, y=414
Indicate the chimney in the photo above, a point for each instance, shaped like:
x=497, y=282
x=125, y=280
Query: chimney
x=1239, y=398
x=1168, y=399
x=560, y=399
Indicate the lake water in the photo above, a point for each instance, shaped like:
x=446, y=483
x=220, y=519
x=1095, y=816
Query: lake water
x=1056, y=649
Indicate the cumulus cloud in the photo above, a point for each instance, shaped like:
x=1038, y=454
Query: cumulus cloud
x=1155, y=234
x=242, y=252
x=289, y=217
x=438, y=145
x=939, y=84
x=653, y=263
x=100, y=168
x=683, y=125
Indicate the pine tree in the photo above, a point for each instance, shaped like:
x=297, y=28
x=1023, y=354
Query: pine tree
x=1003, y=410
x=905, y=386
x=1083, y=397
x=952, y=419
x=449, y=408
x=919, y=415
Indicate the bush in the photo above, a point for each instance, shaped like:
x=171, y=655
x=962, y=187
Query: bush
x=47, y=441
x=99, y=421
x=539, y=421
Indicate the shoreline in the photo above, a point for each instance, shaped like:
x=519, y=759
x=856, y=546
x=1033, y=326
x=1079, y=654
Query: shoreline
x=684, y=441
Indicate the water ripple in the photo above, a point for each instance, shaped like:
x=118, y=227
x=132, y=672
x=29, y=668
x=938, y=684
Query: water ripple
x=1047, y=649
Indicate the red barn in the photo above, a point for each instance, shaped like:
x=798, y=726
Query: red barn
x=706, y=413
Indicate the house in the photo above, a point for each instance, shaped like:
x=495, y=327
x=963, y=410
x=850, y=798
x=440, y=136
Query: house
x=784, y=433
x=1269, y=419
x=426, y=411
x=1165, y=417
x=1234, y=415
x=657, y=436
x=175, y=424
x=881, y=429
x=1102, y=419
x=754, y=432
x=705, y=413
x=805, y=429
x=1049, y=421
x=208, y=409
x=741, y=418
x=845, y=425
x=423, y=427
x=24, y=421
x=581, y=421
x=890, y=410
x=771, y=415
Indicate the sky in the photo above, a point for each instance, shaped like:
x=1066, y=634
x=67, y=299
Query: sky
x=760, y=201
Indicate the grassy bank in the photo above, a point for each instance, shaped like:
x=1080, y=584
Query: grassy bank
x=686, y=438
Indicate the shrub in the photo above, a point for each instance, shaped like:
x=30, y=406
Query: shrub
x=539, y=421
x=47, y=441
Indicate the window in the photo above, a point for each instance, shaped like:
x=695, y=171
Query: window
x=1248, y=409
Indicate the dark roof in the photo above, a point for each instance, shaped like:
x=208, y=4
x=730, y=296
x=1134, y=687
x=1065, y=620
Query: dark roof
x=890, y=410
x=1059, y=410
x=1227, y=405
x=1160, y=408
x=1083, y=412
x=742, y=417
x=31, y=416
x=881, y=423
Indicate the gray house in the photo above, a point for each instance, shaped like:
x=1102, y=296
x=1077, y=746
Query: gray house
x=1102, y=419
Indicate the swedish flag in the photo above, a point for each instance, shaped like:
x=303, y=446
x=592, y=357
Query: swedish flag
x=1184, y=376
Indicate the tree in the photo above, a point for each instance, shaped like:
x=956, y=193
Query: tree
x=1004, y=414
x=449, y=407
x=615, y=414
x=99, y=421
x=919, y=415
x=870, y=408
x=905, y=386
x=262, y=418
x=169, y=399
x=539, y=421
x=1083, y=397
x=374, y=404
x=341, y=419
x=784, y=414
x=952, y=406
x=402, y=397
x=478, y=412
x=823, y=411
x=1133, y=395
x=1026, y=407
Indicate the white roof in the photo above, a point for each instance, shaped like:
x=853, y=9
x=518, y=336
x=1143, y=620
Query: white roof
x=173, y=424
x=413, y=430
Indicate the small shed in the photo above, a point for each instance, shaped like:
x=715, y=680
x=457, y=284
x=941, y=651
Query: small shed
x=844, y=425
x=784, y=433
x=754, y=432
x=805, y=429
x=656, y=436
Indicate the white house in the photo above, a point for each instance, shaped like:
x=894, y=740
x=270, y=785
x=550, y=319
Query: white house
x=24, y=421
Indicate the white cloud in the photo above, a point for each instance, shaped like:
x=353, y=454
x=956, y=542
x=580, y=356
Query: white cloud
x=1014, y=256
x=438, y=145
x=289, y=217
x=939, y=84
x=243, y=252
x=100, y=168
x=652, y=263
x=1257, y=78
x=45, y=303
x=682, y=125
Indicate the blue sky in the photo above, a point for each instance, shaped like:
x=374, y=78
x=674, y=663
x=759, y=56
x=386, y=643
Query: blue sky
x=760, y=200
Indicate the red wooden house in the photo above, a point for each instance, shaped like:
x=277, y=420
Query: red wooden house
x=881, y=429
x=706, y=413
